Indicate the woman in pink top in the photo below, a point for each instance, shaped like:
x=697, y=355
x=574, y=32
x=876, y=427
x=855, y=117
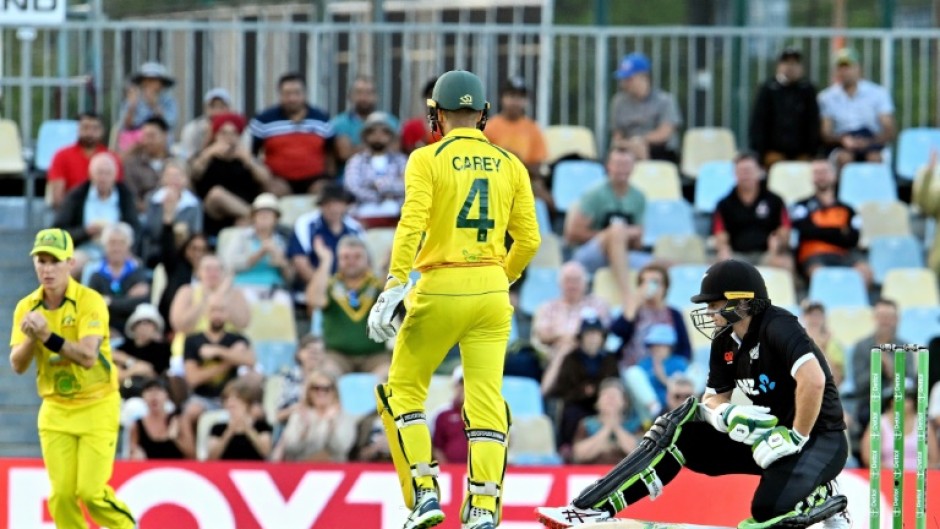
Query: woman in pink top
x=910, y=439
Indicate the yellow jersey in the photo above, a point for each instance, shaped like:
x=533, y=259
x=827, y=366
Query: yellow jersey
x=83, y=313
x=462, y=195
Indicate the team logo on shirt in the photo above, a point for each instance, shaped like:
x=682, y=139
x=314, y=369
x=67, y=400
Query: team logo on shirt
x=765, y=384
x=746, y=385
x=68, y=321
x=729, y=357
x=749, y=386
x=755, y=352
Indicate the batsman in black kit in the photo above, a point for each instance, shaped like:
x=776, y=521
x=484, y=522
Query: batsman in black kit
x=793, y=435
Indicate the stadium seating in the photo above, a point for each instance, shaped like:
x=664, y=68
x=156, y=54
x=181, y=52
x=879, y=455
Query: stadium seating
x=357, y=392
x=275, y=356
x=838, y=286
x=850, y=324
x=542, y=216
x=605, y=287
x=881, y=219
x=204, y=427
x=911, y=287
x=293, y=206
x=532, y=441
x=440, y=393
x=158, y=284
x=540, y=286
x=572, y=179
x=272, y=320
x=919, y=324
x=379, y=241
x=700, y=145
x=225, y=238
x=549, y=253
x=914, y=146
x=680, y=249
x=273, y=387
x=887, y=253
x=793, y=181
x=11, y=149
x=684, y=282
x=657, y=180
x=53, y=135
x=564, y=140
x=866, y=182
x=523, y=396
x=666, y=217
x=715, y=181
x=780, y=285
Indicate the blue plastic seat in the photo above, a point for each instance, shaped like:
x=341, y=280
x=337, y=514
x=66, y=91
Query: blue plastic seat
x=542, y=216
x=715, y=181
x=523, y=396
x=887, y=253
x=919, y=324
x=53, y=136
x=572, y=178
x=357, y=392
x=838, y=286
x=684, y=282
x=866, y=182
x=540, y=286
x=667, y=217
x=275, y=357
x=914, y=146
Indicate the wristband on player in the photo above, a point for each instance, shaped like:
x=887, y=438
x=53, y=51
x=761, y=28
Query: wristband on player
x=54, y=343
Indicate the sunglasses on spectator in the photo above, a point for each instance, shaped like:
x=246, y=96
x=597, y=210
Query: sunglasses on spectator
x=323, y=389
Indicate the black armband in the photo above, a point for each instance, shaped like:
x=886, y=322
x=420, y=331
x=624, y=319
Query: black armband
x=54, y=343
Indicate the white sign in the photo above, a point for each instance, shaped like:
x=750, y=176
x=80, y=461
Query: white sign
x=31, y=12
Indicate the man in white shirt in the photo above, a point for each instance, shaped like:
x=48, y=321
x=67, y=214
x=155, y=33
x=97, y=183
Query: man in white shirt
x=857, y=114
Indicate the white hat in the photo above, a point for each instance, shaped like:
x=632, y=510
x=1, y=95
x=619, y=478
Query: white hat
x=143, y=312
x=153, y=70
x=266, y=201
x=218, y=93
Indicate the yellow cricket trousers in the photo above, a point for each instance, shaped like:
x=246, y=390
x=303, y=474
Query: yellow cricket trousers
x=78, y=448
x=469, y=306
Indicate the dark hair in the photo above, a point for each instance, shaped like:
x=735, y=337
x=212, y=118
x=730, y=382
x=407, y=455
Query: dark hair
x=653, y=267
x=429, y=87
x=620, y=150
x=151, y=383
x=291, y=77
x=158, y=122
x=89, y=115
x=746, y=155
x=886, y=301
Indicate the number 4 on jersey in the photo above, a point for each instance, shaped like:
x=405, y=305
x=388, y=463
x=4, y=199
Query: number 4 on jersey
x=481, y=187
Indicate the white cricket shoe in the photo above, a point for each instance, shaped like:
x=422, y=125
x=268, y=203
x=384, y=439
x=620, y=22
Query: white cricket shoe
x=569, y=516
x=839, y=520
x=427, y=511
x=479, y=519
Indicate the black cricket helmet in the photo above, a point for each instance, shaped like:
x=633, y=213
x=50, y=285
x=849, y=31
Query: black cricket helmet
x=742, y=288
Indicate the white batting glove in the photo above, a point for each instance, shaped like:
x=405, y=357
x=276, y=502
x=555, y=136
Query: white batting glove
x=744, y=424
x=383, y=324
x=777, y=443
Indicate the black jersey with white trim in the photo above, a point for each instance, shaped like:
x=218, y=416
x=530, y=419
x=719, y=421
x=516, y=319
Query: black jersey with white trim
x=762, y=366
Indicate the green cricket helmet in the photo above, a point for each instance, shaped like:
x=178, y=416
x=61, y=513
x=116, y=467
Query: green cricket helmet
x=456, y=90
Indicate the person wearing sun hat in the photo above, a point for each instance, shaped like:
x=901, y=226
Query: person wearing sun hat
x=195, y=133
x=258, y=254
x=149, y=96
x=144, y=353
x=375, y=174
x=643, y=119
x=63, y=326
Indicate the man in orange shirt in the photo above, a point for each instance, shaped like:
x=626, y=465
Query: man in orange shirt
x=512, y=130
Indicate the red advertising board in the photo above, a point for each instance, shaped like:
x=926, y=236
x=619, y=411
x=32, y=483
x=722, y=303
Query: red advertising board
x=190, y=495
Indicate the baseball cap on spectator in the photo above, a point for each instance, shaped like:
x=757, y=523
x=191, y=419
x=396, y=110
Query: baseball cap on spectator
x=153, y=70
x=334, y=192
x=218, y=93
x=143, y=312
x=591, y=321
x=55, y=242
x=515, y=85
x=266, y=201
x=790, y=53
x=457, y=376
x=229, y=117
x=661, y=334
x=631, y=65
x=846, y=57
x=379, y=119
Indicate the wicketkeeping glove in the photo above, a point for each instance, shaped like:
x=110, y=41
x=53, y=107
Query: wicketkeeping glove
x=384, y=319
x=744, y=424
x=777, y=443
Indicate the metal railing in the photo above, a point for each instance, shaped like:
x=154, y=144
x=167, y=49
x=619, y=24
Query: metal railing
x=713, y=71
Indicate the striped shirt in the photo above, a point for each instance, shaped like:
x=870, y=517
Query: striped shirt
x=293, y=150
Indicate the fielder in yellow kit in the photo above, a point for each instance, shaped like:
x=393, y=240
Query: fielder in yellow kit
x=462, y=195
x=63, y=325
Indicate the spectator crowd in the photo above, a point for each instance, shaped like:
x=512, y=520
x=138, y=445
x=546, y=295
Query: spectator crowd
x=240, y=256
